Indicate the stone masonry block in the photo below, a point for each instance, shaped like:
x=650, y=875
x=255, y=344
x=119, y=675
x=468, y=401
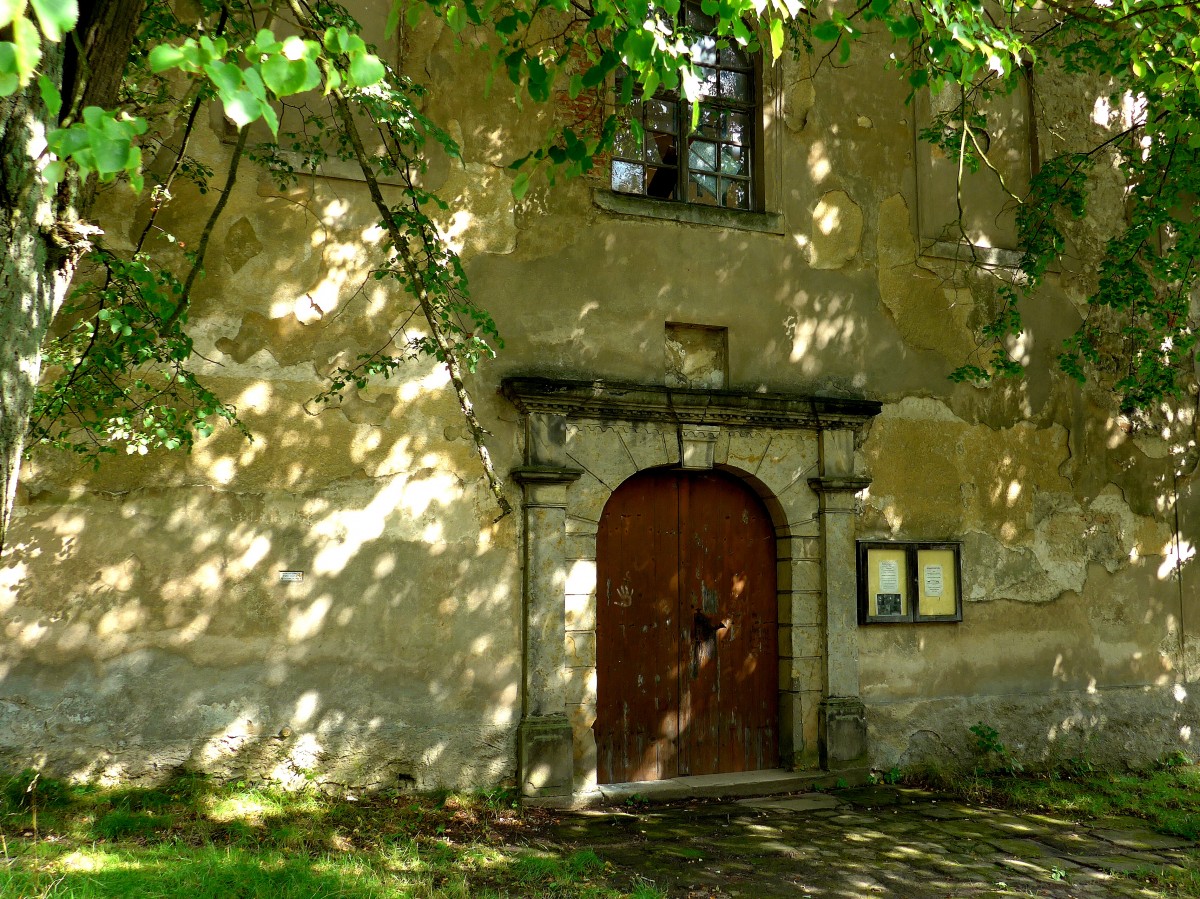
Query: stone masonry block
x=581, y=545
x=581, y=649
x=746, y=449
x=791, y=728
x=581, y=576
x=650, y=444
x=581, y=611
x=545, y=764
x=581, y=687
x=803, y=675
x=842, y=726
x=802, y=609
x=581, y=537
x=599, y=449
x=799, y=642
x=587, y=497
x=788, y=457
x=801, y=575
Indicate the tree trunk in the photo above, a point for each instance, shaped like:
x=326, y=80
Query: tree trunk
x=42, y=238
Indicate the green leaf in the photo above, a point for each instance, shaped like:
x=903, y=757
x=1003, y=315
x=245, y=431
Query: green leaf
x=520, y=185
x=9, y=80
x=650, y=85
x=50, y=96
x=289, y=76
x=366, y=70
x=225, y=76
x=904, y=27
x=826, y=31
x=28, y=45
x=9, y=10
x=242, y=107
x=776, y=38
x=54, y=172
x=56, y=17
x=597, y=73
x=539, y=80
x=164, y=56
x=270, y=117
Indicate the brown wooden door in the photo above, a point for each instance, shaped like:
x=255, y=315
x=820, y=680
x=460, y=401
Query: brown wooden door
x=686, y=655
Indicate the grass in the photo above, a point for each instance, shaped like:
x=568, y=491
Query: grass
x=200, y=840
x=1166, y=798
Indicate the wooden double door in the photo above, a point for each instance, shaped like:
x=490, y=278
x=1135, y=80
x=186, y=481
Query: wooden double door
x=686, y=629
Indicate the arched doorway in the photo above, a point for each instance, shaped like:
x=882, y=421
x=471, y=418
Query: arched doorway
x=686, y=629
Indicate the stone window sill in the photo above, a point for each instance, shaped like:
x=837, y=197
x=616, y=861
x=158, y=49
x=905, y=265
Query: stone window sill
x=988, y=257
x=669, y=210
x=994, y=257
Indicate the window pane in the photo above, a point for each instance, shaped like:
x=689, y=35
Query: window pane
x=735, y=85
x=733, y=160
x=661, y=115
x=735, y=193
x=703, y=189
x=710, y=123
x=661, y=148
x=709, y=84
x=736, y=128
x=694, y=17
x=624, y=144
x=704, y=50
x=703, y=155
x=662, y=183
x=732, y=56
x=628, y=177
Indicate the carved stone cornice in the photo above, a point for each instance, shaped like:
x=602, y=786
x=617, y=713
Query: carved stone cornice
x=617, y=401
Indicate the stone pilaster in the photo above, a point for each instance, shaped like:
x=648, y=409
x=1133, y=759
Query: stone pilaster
x=842, y=723
x=544, y=756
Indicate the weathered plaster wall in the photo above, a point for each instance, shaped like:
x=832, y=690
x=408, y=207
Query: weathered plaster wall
x=144, y=623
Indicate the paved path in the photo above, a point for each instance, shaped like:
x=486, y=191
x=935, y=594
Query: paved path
x=875, y=841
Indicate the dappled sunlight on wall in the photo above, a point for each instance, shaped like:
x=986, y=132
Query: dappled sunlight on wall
x=147, y=628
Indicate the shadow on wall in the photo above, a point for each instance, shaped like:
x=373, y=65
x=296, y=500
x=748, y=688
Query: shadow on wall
x=1078, y=635
x=147, y=627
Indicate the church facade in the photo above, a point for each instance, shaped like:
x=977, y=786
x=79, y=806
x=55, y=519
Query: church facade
x=757, y=527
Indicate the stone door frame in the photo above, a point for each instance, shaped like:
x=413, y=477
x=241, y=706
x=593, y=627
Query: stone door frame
x=581, y=440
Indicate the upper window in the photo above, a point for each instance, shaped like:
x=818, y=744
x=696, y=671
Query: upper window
x=717, y=168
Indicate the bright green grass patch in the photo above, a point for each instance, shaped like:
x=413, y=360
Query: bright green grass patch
x=193, y=840
x=1167, y=798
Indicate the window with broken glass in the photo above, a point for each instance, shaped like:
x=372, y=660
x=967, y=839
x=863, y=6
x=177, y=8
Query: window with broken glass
x=717, y=168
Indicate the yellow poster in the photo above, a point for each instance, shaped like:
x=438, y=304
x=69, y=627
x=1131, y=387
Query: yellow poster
x=887, y=582
x=937, y=582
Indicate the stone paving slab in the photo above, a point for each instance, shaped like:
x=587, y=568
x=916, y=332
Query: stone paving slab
x=872, y=842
